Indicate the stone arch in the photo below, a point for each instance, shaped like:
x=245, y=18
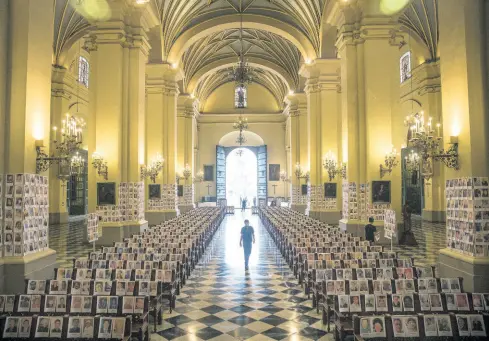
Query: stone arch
x=251, y=21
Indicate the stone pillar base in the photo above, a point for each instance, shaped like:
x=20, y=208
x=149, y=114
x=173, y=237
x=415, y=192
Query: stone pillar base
x=185, y=208
x=15, y=270
x=434, y=216
x=116, y=232
x=157, y=217
x=56, y=218
x=299, y=208
x=329, y=217
x=357, y=229
x=474, y=271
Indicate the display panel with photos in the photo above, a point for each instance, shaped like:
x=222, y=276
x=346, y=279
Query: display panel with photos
x=167, y=199
x=390, y=224
x=130, y=206
x=468, y=215
x=92, y=227
x=24, y=217
x=319, y=201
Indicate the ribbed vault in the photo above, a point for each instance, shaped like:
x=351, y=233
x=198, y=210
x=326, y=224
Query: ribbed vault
x=267, y=79
x=421, y=17
x=257, y=44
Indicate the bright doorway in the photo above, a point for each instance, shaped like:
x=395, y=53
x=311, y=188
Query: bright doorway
x=241, y=176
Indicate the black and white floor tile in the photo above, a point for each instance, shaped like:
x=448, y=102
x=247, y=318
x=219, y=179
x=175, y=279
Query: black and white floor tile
x=223, y=302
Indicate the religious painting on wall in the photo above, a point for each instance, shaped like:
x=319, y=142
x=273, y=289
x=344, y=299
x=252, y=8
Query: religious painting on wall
x=330, y=190
x=154, y=191
x=208, y=172
x=180, y=190
x=105, y=193
x=303, y=189
x=274, y=172
x=381, y=192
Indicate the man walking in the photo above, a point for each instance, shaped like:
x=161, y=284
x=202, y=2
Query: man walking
x=246, y=240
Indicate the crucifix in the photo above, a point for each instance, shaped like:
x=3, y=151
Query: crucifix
x=274, y=186
x=208, y=189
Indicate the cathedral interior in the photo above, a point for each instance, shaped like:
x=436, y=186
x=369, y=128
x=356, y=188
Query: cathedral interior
x=136, y=136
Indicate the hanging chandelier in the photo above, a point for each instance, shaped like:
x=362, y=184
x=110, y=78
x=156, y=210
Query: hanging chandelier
x=242, y=73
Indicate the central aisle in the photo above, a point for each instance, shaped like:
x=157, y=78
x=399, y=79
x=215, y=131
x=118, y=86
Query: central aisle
x=223, y=302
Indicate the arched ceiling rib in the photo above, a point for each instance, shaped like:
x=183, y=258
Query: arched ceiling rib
x=421, y=17
x=68, y=27
x=179, y=16
x=267, y=79
x=257, y=44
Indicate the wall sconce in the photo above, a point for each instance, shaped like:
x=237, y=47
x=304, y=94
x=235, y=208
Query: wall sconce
x=331, y=166
x=299, y=173
x=424, y=139
x=100, y=165
x=390, y=162
x=71, y=140
x=199, y=177
x=284, y=177
x=187, y=172
x=153, y=169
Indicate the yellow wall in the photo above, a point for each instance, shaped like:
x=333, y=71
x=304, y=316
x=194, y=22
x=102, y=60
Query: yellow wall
x=260, y=100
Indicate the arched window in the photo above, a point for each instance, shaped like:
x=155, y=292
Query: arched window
x=405, y=66
x=83, y=71
x=240, y=97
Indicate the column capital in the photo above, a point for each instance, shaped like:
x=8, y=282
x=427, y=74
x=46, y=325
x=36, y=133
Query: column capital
x=163, y=78
x=321, y=74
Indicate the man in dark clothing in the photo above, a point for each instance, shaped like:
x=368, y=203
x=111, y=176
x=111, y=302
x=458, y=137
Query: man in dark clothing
x=247, y=238
x=370, y=230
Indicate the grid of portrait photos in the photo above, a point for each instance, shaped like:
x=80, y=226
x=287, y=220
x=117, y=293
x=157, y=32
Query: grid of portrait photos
x=92, y=227
x=24, y=215
x=131, y=201
x=363, y=195
x=297, y=197
x=130, y=207
x=468, y=215
x=350, y=200
x=167, y=201
x=188, y=195
x=390, y=224
x=319, y=201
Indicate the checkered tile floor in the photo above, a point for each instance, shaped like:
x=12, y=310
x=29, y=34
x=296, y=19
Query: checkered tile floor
x=223, y=302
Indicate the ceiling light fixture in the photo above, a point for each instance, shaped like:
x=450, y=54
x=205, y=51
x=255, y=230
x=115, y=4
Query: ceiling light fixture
x=242, y=71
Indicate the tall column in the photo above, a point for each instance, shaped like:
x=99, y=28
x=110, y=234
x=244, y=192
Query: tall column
x=161, y=136
x=464, y=67
x=297, y=116
x=324, y=132
x=118, y=85
x=26, y=120
x=185, y=135
x=370, y=126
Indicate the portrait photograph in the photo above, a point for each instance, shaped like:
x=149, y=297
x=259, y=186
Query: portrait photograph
x=11, y=328
x=381, y=192
x=105, y=193
x=330, y=190
x=273, y=172
x=208, y=172
x=154, y=191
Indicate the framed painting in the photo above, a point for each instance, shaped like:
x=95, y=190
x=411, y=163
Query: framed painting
x=180, y=190
x=154, y=191
x=208, y=172
x=381, y=192
x=330, y=190
x=303, y=189
x=274, y=172
x=105, y=193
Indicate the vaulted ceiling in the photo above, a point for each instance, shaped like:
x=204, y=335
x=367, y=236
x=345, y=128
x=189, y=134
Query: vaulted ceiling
x=202, y=36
